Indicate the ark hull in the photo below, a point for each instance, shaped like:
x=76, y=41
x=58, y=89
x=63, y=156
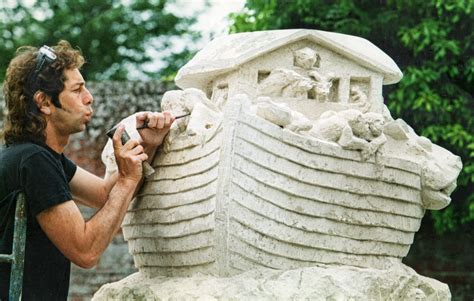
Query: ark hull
x=248, y=194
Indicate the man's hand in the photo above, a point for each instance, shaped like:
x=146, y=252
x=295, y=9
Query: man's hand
x=158, y=125
x=129, y=156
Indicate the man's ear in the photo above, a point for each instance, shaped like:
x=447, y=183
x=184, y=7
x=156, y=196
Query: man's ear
x=43, y=102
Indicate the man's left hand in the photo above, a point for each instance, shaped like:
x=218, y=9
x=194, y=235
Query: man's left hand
x=158, y=125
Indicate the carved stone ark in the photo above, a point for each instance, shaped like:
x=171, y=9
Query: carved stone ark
x=289, y=161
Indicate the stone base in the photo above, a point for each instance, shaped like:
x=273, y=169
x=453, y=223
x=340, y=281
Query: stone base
x=313, y=283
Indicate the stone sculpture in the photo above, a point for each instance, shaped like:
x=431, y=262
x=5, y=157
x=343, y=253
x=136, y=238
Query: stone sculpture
x=352, y=130
x=289, y=164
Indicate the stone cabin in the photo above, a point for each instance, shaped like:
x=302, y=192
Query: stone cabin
x=240, y=63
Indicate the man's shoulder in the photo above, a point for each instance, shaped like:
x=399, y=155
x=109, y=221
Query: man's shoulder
x=21, y=151
x=22, y=148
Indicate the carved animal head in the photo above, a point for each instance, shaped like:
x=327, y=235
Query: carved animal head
x=357, y=122
x=440, y=168
x=182, y=101
x=322, y=85
x=191, y=97
x=376, y=123
x=439, y=173
x=306, y=58
x=171, y=102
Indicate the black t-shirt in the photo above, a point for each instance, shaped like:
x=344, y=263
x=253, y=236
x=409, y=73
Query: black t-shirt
x=43, y=175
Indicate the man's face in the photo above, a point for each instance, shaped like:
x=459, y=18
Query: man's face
x=76, y=103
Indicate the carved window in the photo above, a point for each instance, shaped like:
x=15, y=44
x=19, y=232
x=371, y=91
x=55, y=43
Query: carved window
x=220, y=94
x=220, y=91
x=222, y=86
x=262, y=74
x=363, y=83
x=334, y=93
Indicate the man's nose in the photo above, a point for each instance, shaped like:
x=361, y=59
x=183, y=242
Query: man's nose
x=89, y=99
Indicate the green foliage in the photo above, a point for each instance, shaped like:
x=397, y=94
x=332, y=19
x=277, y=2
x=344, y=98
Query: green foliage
x=174, y=61
x=114, y=36
x=433, y=43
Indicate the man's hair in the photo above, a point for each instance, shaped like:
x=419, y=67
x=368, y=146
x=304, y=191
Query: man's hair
x=23, y=121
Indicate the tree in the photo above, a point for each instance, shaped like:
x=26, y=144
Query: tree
x=114, y=36
x=432, y=43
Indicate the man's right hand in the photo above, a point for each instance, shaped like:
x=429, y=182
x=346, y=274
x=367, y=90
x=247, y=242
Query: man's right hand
x=129, y=156
x=83, y=242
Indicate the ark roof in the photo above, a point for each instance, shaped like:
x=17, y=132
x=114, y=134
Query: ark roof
x=227, y=53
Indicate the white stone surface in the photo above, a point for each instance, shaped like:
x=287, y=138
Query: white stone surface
x=227, y=53
x=289, y=160
x=248, y=192
x=312, y=283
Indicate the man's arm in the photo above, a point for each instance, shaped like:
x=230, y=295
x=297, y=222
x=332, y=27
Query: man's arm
x=91, y=190
x=83, y=242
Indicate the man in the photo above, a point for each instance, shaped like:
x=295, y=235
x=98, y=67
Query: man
x=47, y=101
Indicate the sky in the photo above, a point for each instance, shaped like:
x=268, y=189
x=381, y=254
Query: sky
x=212, y=22
x=213, y=17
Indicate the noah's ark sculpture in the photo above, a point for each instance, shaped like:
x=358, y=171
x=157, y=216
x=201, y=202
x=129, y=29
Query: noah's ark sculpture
x=289, y=159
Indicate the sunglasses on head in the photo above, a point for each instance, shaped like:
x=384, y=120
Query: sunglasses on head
x=46, y=56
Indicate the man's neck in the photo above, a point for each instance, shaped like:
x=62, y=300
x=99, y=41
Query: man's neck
x=56, y=141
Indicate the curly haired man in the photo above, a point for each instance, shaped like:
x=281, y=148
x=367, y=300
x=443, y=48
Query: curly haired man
x=47, y=101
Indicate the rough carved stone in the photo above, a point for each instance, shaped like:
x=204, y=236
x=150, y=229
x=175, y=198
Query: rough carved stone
x=271, y=174
x=312, y=283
